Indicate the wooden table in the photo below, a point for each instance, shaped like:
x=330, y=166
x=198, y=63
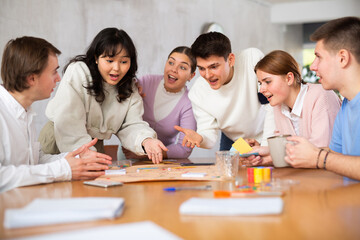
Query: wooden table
x=321, y=206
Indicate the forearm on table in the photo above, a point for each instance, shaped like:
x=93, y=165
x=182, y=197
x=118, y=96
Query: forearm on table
x=25, y=175
x=345, y=165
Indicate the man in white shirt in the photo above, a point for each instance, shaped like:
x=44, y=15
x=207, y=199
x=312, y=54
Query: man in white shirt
x=225, y=97
x=29, y=73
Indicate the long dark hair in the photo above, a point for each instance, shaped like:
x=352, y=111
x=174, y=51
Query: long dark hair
x=107, y=43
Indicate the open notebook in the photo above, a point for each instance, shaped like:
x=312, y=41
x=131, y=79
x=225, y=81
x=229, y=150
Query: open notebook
x=63, y=210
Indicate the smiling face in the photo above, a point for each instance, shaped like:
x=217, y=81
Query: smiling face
x=274, y=87
x=325, y=67
x=216, y=70
x=114, y=68
x=45, y=82
x=177, y=72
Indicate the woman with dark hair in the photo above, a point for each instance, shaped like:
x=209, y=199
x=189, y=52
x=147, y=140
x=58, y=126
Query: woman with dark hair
x=300, y=109
x=97, y=97
x=166, y=103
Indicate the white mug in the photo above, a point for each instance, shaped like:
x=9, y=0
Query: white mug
x=277, y=146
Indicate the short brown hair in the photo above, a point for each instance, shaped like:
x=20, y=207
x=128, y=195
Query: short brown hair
x=22, y=57
x=340, y=33
x=212, y=43
x=279, y=63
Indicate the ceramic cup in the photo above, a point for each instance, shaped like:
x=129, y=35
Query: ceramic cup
x=277, y=146
x=227, y=163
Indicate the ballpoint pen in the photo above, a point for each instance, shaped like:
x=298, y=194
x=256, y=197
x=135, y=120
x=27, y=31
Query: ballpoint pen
x=196, y=164
x=172, y=189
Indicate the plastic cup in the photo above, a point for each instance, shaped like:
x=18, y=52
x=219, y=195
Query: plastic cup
x=227, y=163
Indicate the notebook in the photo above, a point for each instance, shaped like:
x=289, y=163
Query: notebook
x=138, y=230
x=63, y=210
x=232, y=206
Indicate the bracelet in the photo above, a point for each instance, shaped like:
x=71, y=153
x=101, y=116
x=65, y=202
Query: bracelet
x=317, y=161
x=327, y=153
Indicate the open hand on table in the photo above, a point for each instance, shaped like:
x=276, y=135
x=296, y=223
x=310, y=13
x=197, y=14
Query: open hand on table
x=154, y=149
x=90, y=164
x=191, y=138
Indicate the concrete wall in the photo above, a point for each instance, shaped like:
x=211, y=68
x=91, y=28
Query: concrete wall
x=156, y=26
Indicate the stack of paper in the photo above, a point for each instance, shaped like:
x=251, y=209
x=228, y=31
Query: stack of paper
x=140, y=230
x=232, y=206
x=64, y=210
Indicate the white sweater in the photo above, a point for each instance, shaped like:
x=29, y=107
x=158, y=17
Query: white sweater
x=78, y=117
x=234, y=108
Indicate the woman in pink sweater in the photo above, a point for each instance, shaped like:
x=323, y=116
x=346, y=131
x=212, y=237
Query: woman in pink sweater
x=166, y=103
x=301, y=109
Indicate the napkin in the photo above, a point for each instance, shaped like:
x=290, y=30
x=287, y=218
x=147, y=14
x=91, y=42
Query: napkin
x=231, y=206
x=63, y=210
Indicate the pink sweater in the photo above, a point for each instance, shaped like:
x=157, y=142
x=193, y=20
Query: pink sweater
x=317, y=117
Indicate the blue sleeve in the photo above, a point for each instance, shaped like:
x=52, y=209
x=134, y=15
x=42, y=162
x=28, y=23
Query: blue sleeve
x=336, y=138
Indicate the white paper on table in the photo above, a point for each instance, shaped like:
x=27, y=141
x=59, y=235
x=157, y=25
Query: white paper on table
x=232, y=206
x=193, y=175
x=63, y=210
x=115, y=171
x=139, y=230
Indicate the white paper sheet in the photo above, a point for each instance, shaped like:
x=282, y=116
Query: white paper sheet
x=63, y=210
x=231, y=206
x=115, y=172
x=140, y=230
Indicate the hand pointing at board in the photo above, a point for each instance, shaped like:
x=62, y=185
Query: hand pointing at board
x=191, y=138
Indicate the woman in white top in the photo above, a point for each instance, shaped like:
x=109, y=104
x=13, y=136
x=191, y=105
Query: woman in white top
x=97, y=97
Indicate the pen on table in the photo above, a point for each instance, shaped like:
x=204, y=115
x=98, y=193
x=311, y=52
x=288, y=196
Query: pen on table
x=196, y=164
x=172, y=189
x=227, y=194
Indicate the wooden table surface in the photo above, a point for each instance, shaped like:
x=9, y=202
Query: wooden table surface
x=321, y=206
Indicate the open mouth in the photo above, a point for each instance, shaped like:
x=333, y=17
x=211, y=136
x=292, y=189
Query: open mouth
x=213, y=82
x=171, y=78
x=269, y=97
x=320, y=78
x=114, y=77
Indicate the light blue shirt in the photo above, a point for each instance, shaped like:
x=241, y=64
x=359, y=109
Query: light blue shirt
x=346, y=133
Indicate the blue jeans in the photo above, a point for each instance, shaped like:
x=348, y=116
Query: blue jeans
x=225, y=142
